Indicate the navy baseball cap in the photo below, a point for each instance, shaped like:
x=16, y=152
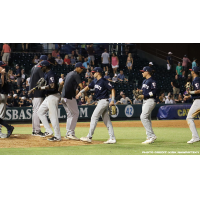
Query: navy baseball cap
x=79, y=64
x=146, y=69
x=43, y=57
x=44, y=63
x=2, y=64
x=195, y=69
x=97, y=69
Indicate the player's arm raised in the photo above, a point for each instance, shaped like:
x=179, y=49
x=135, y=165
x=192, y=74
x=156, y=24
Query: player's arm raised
x=112, y=103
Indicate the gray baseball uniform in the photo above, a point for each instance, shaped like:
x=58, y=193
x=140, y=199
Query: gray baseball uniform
x=149, y=92
x=72, y=80
x=101, y=91
x=37, y=96
x=51, y=104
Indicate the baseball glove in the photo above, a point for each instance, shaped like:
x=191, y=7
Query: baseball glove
x=112, y=110
x=188, y=87
x=137, y=93
x=41, y=82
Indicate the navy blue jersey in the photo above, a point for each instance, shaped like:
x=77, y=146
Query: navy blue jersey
x=196, y=86
x=149, y=88
x=102, y=86
x=5, y=89
x=51, y=77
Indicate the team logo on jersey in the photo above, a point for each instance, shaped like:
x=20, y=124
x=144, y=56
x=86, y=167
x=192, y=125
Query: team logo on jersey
x=197, y=85
x=154, y=84
x=145, y=86
x=98, y=87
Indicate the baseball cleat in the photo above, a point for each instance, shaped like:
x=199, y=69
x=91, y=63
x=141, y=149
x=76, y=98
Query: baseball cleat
x=72, y=137
x=53, y=139
x=193, y=140
x=66, y=137
x=10, y=130
x=150, y=140
x=110, y=141
x=37, y=134
x=46, y=134
x=3, y=135
x=86, y=139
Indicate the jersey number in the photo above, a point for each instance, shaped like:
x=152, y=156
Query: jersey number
x=129, y=111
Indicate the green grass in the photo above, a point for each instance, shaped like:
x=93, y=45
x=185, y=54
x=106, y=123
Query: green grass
x=170, y=141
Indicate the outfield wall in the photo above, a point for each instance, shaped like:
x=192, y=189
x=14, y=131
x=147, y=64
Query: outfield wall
x=124, y=112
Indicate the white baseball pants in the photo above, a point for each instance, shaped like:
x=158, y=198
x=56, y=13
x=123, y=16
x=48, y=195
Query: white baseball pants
x=50, y=104
x=35, y=119
x=3, y=101
x=101, y=110
x=147, y=107
x=71, y=108
x=194, y=111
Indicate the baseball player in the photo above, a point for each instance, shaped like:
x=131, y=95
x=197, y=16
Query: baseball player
x=37, y=96
x=3, y=99
x=50, y=103
x=72, y=80
x=101, y=86
x=195, y=108
x=148, y=96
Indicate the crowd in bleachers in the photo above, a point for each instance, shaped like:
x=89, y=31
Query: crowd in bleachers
x=121, y=70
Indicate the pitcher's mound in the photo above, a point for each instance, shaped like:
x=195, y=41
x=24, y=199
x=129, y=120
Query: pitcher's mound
x=24, y=141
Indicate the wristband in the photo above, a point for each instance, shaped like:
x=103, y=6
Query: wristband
x=82, y=91
x=43, y=88
x=192, y=92
x=113, y=98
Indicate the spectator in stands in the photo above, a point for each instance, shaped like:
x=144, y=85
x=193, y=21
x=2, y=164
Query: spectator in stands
x=59, y=60
x=137, y=101
x=22, y=102
x=110, y=99
x=84, y=85
x=67, y=60
x=121, y=77
x=85, y=64
x=5, y=53
x=28, y=103
x=169, y=61
x=18, y=75
x=124, y=100
x=51, y=59
x=15, y=101
x=176, y=86
x=91, y=52
x=55, y=53
x=185, y=65
x=150, y=64
x=35, y=60
x=115, y=79
x=27, y=83
x=9, y=102
x=179, y=70
x=91, y=75
x=80, y=58
x=61, y=79
x=162, y=98
x=129, y=62
x=23, y=94
x=115, y=63
x=23, y=76
x=82, y=102
x=73, y=60
x=25, y=49
x=105, y=60
x=179, y=99
x=24, y=87
x=169, y=100
x=87, y=74
x=119, y=96
x=189, y=79
x=90, y=101
x=194, y=64
x=107, y=77
x=11, y=76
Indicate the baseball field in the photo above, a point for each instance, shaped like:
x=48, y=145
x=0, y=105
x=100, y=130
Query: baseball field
x=172, y=137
